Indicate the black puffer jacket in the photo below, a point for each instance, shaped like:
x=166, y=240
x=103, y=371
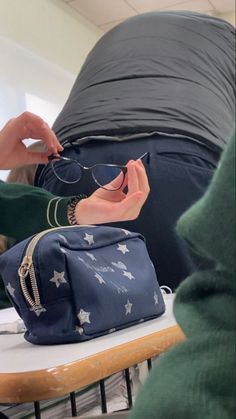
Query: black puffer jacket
x=167, y=72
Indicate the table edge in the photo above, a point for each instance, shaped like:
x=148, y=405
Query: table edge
x=28, y=386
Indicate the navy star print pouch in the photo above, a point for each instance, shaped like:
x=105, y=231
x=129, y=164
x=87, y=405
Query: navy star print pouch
x=71, y=284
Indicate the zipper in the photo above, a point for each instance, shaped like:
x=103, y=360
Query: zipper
x=26, y=270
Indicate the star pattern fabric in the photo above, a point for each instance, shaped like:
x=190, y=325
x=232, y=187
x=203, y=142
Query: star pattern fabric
x=156, y=299
x=83, y=316
x=63, y=238
x=122, y=248
x=79, y=330
x=91, y=256
x=100, y=278
x=10, y=289
x=127, y=232
x=38, y=310
x=63, y=250
x=128, y=275
x=119, y=265
x=58, y=278
x=121, y=289
x=89, y=238
x=128, y=307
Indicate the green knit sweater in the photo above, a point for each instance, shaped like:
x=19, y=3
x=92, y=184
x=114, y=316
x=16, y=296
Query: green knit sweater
x=196, y=379
x=26, y=210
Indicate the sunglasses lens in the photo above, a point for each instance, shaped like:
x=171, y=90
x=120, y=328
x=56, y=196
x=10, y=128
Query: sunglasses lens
x=67, y=171
x=109, y=177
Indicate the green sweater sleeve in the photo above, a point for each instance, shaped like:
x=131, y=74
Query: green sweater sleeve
x=26, y=210
x=196, y=379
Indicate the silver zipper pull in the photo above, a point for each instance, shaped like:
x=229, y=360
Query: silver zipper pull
x=24, y=268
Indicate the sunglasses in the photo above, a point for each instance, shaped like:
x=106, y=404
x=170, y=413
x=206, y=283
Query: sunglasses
x=107, y=176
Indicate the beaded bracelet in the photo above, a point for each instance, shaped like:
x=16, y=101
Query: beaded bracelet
x=71, y=208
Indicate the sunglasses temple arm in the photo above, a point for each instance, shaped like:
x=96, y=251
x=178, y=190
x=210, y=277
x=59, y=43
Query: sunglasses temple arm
x=146, y=154
x=55, y=157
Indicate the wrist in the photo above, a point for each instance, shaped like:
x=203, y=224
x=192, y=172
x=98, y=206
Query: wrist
x=81, y=214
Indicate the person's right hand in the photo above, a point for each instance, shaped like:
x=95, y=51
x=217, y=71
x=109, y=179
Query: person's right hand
x=110, y=206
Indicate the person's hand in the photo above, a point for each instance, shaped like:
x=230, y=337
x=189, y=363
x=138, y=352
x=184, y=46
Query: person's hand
x=109, y=206
x=14, y=153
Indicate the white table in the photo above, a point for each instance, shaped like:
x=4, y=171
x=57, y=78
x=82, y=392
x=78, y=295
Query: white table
x=29, y=372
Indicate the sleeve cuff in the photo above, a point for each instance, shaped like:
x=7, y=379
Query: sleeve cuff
x=57, y=212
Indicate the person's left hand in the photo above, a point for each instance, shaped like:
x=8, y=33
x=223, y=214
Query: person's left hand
x=14, y=153
x=110, y=206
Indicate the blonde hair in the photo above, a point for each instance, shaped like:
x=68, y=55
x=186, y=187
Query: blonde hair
x=26, y=174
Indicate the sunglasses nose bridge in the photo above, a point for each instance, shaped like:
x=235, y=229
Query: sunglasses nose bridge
x=89, y=170
x=85, y=167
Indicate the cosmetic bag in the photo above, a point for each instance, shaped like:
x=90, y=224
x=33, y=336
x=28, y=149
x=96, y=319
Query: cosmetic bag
x=71, y=284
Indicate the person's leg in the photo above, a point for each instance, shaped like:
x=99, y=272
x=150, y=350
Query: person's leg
x=179, y=172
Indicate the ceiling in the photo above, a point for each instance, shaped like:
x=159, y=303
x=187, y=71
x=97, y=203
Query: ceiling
x=107, y=13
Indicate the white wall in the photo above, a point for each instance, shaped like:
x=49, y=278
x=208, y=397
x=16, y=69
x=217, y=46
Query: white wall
x=42, y=47
x=48, y=28
x=29, y=82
